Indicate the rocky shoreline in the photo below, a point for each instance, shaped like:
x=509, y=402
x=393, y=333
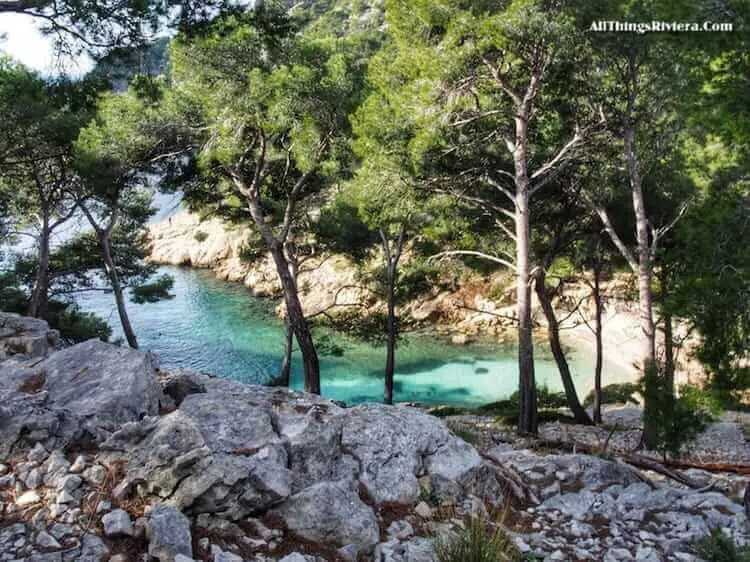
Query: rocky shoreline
x=478, y=310
x=104, y=457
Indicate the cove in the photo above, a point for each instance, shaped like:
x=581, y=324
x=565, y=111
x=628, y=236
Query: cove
x=219, y=328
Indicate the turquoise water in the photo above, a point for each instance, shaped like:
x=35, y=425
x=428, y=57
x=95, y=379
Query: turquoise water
x=219, y=328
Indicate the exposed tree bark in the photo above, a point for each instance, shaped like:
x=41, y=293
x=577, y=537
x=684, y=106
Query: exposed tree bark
x=644, y=270
x=285, y=372
x=284, y=378
x=597, y=295
x=527, y=418
x=251, y=190
x=104, y=235
x=295, y=316
x=553, y=334
x=40, y=292
x=297, y=321
x=391, y=257
x=114, y=280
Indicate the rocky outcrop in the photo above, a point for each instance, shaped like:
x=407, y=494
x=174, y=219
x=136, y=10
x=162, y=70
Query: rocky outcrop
x=109, y=456
x=85, y=392
x=25, y=336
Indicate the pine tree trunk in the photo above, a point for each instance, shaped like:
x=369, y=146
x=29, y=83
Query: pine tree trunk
x=295, y=316
x=599, y=346
x=297, y=321
x=645, y=294
x=553, y=335
x=527, y=419
x=40, y=293
x=527, y=415
x=391, y=257
x=285, y=373
x=114, y=280
x=644, y=267
x=390, y=361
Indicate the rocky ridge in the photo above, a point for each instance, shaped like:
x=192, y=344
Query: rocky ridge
x=107, y=458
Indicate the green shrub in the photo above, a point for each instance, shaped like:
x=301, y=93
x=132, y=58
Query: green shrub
x=476, y=543
x=12, y=297
x=669, y=421
x=200, y=236
x=342, y=229
x=416, y=278
x=546, y=399
x=76, y=326
x=154, y=291
x=446, y=411
x=252, y=251
x=549, y=402
x=718, y=547
x=617, y=393
x=469, y=435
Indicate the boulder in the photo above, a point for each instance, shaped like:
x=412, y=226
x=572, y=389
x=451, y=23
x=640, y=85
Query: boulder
x=168, y=534
x=396, y=445
x=99, y=387
x=332, y=513
x=26, y=336
x=85, y=391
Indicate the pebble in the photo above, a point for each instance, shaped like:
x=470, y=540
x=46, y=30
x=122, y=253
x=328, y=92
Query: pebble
x=33, y=480
x=45, y=540
x=38, y=453
x=69, y=483
x=65, y=498
x=102, y=506
x=227, y=557
x=78, y=465
x=28, y=498
x=423, y=510
x=117, y=523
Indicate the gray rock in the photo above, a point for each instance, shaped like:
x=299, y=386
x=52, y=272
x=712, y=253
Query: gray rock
x=98, y=386
x=168, y=533
x=227, y=557
x=38, y=453
x=94, y=474
x=216, y=454
x=33, y=479
x=180, y=384
x=392, y=444
x=65, y=498
x=330, y=513
x=348, y=553
x=117, y=523
x=59, y=530
x=423, y=510
x=69, y=483
x=7, y=481
x=293, y=557
x=45, y=557
x=93, y=549
x=45, y=540
x=418, y=549
x=24, y=335
x=78, y=465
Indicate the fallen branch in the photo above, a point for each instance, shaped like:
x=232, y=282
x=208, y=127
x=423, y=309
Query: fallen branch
x=645, y=463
